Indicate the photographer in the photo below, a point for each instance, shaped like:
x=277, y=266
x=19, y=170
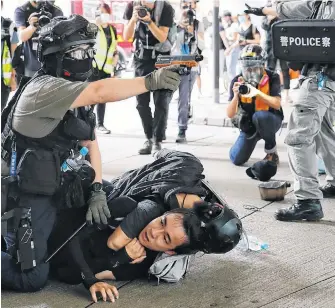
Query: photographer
x=27, y=20
x=255, y=104
x=311, y=122
x=190, y=31
x=9, y=41
x=152, y=38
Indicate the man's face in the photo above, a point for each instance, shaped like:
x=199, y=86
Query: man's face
x=164, y=233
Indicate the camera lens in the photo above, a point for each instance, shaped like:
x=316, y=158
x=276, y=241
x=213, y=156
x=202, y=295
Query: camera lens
x=142, y=12
x=243, y=89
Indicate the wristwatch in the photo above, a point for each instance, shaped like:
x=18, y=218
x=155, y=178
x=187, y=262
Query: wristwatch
x=96, y=186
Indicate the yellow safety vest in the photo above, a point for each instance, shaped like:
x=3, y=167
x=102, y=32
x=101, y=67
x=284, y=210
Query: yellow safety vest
x=104, y=57
x=6, y=64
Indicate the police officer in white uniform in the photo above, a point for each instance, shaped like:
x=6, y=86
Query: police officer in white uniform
x=311, y=124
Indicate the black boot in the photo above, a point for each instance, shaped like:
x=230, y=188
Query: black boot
x=328, y=190
x=181, y=136
x=302, y=209
x=147, y=148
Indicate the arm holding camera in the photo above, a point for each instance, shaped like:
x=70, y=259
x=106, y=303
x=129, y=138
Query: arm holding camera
x=129, y=29
x=161, y=33
x=233, y=106
x=25, y=33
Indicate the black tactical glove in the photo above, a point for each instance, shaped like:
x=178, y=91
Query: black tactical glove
x=98, y=208
x=254, y=11
x=165, y=78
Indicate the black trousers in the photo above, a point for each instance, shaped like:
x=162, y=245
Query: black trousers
x=272, y=63
x=5, y=91
x=101, y=108
x=154, y=127
x=43, y=215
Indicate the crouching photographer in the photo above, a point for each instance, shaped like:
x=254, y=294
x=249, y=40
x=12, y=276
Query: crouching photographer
x=255, y=106
x=312, y=119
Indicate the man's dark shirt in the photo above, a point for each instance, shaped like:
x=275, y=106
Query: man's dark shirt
x=21, y=16
x=275, y=89
x=166, y=20
x=94, y=243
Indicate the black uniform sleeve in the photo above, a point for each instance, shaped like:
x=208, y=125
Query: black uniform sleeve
x=128, y=13
x=145, y=212
x=167, y=17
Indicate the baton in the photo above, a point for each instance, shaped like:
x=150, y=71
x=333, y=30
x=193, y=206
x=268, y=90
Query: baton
x=67, y=241
x=111, y=197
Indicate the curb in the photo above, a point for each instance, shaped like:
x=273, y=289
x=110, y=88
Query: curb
x=226, y=122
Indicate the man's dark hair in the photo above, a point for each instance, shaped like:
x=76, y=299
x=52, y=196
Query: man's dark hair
x=193, y=230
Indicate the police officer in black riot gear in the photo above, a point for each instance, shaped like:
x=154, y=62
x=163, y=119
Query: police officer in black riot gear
x=47, y=121
x=311, y=124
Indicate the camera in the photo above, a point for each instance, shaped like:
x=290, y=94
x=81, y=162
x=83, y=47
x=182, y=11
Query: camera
x=142, y=11
x=5, y=28
x=244, y=89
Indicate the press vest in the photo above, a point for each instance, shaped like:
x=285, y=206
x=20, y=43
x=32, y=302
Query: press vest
x=259, y=102
x=104, y=57
x=6, y=64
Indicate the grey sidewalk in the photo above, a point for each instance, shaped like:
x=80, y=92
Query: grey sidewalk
x=297, y=271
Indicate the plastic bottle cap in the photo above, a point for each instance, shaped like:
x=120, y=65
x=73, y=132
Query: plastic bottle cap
x=64, y=166
x=84, y=151
x=264, y=246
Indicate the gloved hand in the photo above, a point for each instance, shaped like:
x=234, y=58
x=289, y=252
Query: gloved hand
x=98, y=208
x=255, y=11
x=163, y=78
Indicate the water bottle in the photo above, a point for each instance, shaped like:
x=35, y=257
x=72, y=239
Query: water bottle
x=251, y=243
x=256, y=244
x=74, y=160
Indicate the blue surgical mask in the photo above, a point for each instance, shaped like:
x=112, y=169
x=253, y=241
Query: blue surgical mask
x=241, y=19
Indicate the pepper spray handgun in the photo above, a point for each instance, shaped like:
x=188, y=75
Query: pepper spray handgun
x=186, y=62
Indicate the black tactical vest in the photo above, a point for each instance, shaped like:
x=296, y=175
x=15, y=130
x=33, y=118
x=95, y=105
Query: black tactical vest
x=76, y=126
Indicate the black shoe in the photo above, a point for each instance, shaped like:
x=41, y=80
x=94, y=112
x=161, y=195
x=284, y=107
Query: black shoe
x=328, y=190
x=146, y=149
x=103, y=130
x=164, y=137
x=181, y=136
x=272, y=157
x=157, y=146
x=302, y=209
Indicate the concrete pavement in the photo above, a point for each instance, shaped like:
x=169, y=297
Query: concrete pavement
x=298, y=270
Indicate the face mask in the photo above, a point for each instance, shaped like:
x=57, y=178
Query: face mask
x=104, y=18
x=253, y=76
x=77, y=70
x=241, y=19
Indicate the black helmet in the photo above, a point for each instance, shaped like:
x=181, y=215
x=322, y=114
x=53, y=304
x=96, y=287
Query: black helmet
x=252, y=55
x=252, y=60
x=61, y=35
x=222, y=227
